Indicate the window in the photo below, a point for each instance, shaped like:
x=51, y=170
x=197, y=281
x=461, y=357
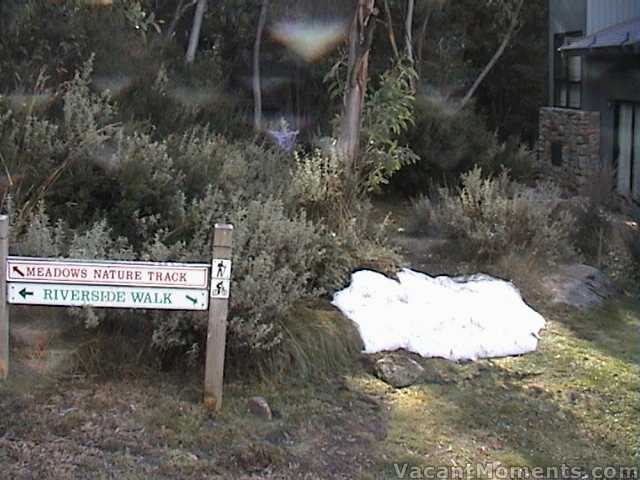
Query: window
x=556, y=154
x=567, y=73
x=627, y=148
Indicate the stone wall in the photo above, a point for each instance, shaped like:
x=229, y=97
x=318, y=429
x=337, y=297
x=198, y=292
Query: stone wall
x=569, y=144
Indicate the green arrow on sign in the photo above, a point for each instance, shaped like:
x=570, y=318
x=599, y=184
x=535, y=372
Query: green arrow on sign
x=193, y=300
x=24, y=293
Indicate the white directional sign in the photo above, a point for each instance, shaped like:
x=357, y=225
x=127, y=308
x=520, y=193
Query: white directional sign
x=108, y=296
x=139, y=274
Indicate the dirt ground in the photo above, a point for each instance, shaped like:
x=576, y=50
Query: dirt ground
x=575, y=401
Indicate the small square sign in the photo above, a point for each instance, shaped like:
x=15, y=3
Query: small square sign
x=220, y=270
x=220, y=289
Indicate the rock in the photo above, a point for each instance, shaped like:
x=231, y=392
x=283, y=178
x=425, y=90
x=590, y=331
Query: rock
x=579, y=286
x=536, y=388
x=260, y=408
x=398, y=370
x=572, y=396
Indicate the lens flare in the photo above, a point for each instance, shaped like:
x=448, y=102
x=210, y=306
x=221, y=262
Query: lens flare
x=310, y=40
x=21, y=101
x=194, y=97
x=112, y=84
x=97, y=3
x=268, y=83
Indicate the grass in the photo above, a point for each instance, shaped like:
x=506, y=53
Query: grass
x=318, y=343
x=574, y=400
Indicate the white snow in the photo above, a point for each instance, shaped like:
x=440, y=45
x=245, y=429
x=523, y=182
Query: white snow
x=453, y=318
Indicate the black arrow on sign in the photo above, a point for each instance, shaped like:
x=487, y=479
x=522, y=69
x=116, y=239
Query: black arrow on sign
x=24, y=293
x=18, y=271
x=193, y=300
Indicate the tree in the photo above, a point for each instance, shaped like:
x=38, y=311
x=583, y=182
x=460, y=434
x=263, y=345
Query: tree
x=390, y=30
x=514, y=14
x=360, y=39
x=257, y=87
x=181, y=9
x=194, y=38
x=430, y=6
x=408, y=36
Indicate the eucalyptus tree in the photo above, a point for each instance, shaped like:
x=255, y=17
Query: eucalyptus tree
x=257, y=85
x=510, y=13
x=194, y=37
x=361, y=35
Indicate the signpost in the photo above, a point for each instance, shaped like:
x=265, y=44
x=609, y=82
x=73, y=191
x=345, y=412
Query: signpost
x=133, y=285
x=216, y=337
x=4, y=307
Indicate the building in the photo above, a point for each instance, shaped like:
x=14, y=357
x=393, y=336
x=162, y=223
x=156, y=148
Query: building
x=593, y=118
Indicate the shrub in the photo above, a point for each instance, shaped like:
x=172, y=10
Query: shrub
x=592, y=232
x=118, y=193
x=49, y=32
x=600, y=188
x=449, y=142
x=318, y=182
x=388, y=113
x=278, y=261
x=39, y=237
x=495, y=215
x=631, y=239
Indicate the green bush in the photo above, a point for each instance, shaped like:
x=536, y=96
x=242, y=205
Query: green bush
x=116, y=193
x=592, y=232
x=93, y=187
x=278, y=261
x=449, y=142
x=495, y=216
x=631, y=240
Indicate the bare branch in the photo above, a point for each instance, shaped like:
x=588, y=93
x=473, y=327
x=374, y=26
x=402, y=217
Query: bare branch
x=515, y=16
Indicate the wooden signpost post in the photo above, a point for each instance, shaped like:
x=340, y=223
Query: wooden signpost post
x=145, y=285
x=4, y=307
x=217, y=332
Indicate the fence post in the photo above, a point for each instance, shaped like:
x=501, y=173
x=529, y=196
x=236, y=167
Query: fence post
x=217, y=329
x=4, y=307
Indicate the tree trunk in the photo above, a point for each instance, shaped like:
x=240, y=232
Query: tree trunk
x=257, y=86
x=392, y=35
x=408, y=37
x=422, y=36
x=408, y=30
x=181, y=9
x=360, y=39
x=194, y=38
x=495, y=58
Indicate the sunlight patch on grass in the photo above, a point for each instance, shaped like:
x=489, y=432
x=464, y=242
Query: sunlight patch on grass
x=574, y=400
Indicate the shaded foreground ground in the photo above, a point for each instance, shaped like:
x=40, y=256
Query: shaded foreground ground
x=574, y=401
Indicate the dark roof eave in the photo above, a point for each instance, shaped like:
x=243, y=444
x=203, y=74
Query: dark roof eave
x=622, y=35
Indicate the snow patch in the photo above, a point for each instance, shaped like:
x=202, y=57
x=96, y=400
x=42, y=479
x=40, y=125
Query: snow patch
x=454, y=318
